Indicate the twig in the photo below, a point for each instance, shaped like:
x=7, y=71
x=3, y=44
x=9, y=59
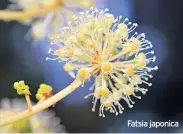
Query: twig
x=41, y=106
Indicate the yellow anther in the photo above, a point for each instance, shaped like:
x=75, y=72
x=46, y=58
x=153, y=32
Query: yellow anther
x=70, y=52
x=83, y=73
x=129, y=71
x=107, y=67
x=104, y=92
x=68, y=67
x=130, y=91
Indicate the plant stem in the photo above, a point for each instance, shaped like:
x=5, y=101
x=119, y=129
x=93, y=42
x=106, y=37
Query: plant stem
x=41, y=100
x=41, y=106
x=20, y=15
x=27, y=97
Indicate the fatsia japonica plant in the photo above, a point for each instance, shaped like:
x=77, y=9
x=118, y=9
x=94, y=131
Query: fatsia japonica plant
x=96, y=45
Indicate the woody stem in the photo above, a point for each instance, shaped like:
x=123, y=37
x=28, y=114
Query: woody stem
x=27, y=97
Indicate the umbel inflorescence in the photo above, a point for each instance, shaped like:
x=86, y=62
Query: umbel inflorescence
x=97, y=44
x=45, y=16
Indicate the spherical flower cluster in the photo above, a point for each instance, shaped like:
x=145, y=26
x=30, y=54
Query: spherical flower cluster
x=48, y=22
x=44, y=122
x=95, y=42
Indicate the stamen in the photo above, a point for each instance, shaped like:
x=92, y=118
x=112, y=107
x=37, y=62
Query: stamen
x=130, y=99
x=138, y=97
x=127, y=101
x=132, y=28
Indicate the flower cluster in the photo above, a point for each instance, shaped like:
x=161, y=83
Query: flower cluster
x=55, y=12
x=95, y=42
x=44, y=122
x=21, y=88
x=44, y=91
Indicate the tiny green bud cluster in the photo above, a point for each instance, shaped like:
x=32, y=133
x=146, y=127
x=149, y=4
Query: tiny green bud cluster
x=44, y=92
x=21, y=88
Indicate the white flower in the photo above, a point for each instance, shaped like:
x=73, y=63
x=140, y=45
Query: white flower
x=49, y=22
x=44, y=122
x=96, y=41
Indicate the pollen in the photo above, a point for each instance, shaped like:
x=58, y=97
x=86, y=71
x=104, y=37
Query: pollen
x=107, y=67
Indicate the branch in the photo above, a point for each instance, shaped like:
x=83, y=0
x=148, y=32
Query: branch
x=42, y=106
x=19, y=15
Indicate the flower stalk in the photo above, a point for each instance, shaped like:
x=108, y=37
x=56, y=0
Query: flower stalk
x=42, y=106
x=27, y=97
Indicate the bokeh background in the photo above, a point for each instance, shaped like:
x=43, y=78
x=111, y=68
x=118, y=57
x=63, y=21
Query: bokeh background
x=162, y=22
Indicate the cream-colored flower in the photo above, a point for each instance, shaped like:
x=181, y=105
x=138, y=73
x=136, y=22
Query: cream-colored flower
x=44, y=122
x=100, y=42
x=51, y=21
